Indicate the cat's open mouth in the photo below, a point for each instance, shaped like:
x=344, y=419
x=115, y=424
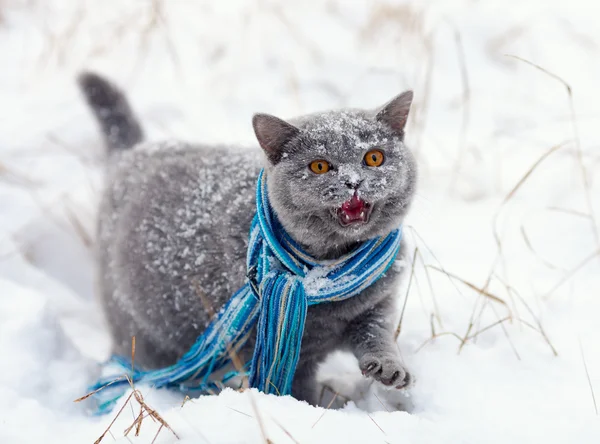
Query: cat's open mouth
x=354, y=211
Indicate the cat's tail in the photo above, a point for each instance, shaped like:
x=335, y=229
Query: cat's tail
x=119, y=125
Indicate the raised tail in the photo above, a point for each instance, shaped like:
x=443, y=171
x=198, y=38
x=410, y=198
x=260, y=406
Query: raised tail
x=119, y=125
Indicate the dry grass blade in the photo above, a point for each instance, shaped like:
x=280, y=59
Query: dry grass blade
x=157, y=433
x=335, y=395
x=466, y=101
x=84, y=397
x=374, y=422
x=380, y=402
x=438, y=335
x=569, y=211
x=16, y=178
x=499, y=255
x=417, y=236
x=540, y=328
x=284, y=430
x=492, y=325
x=151, y=412
x=479, y=290
x=114, y=419
x=145, y=409
x=240, y=412
x=587, y=374
x=132, y=353
x=137, y=423
x=433, y=296
x=259, y=420
x=535, y=253
x=572, y=272
x=412, y=274
x=579, y=152
x=505, y=331
x=530, y=171
x=85, y=237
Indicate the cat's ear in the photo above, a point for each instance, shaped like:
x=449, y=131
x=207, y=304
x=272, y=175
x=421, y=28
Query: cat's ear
x=272, y=134
x=395, y=113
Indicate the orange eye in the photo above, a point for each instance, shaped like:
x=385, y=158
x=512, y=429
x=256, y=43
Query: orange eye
x=374, y=158
x=319, y=166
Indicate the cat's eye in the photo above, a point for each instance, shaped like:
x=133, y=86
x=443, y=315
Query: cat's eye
x=319, y=166
x=374, y=158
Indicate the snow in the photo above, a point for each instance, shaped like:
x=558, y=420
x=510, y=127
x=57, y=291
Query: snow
x=481, y=119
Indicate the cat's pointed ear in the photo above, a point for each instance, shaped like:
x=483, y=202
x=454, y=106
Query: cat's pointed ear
x=272, y=134
x=395, y=113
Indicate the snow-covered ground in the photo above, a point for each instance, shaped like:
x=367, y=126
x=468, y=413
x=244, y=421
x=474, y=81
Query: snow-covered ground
x=482, y=119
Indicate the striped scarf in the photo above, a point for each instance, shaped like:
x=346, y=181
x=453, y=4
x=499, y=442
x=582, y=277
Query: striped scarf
x=283, y=281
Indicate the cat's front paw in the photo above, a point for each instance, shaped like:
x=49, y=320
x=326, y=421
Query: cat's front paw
x=386, y=369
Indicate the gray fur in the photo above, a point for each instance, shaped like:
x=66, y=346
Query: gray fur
x=175, y=218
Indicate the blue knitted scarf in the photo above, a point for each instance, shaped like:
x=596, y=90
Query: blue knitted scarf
x=282, y=282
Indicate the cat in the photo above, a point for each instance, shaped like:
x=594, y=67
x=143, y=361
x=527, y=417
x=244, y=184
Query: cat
x=174, y=222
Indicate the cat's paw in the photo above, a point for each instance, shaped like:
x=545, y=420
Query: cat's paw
x=386, y=369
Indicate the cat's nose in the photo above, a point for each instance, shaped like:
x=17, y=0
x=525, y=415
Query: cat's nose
x=352, y=184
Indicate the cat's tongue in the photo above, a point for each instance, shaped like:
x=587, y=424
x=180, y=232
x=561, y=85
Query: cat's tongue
x=354, y=210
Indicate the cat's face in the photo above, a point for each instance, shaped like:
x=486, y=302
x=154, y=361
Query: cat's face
x=339, y=177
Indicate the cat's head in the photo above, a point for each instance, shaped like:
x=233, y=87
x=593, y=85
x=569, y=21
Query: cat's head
x=339, y=177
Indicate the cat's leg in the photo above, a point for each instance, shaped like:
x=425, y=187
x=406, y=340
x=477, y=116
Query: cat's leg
x=371, y=339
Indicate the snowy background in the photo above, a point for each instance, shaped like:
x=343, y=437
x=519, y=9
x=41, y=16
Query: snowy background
x=501, y=325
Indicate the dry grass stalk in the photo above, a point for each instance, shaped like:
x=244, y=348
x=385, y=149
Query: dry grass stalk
x=533, y=167
x=375, y=422
x=11, y=176
x=157, y=433
x=572, y=272
x=466, y=106
x=380, y=402
x=492, y=325
x=432, y=324
x=421, y=111
x=569, y=211
x=505, y=331
x=507, y=198
x=587, y=374
x=435, y=336
x=151, y=412
x=86, y=396
x=578, y=150
x=278, y=424
x=145, y=410
x=481, y=290
x=432, y=292
x=418, y=237
x=107, y=430
x=80, y=231
x=412, y=273
x=258, y=417
x=335, y=395
x=539, y=328
x=240, y=412
x=535, y=253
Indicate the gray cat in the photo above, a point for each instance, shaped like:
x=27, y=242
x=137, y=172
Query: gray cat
x=175, y=218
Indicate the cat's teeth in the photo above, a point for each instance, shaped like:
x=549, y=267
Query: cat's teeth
x=362, y=214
